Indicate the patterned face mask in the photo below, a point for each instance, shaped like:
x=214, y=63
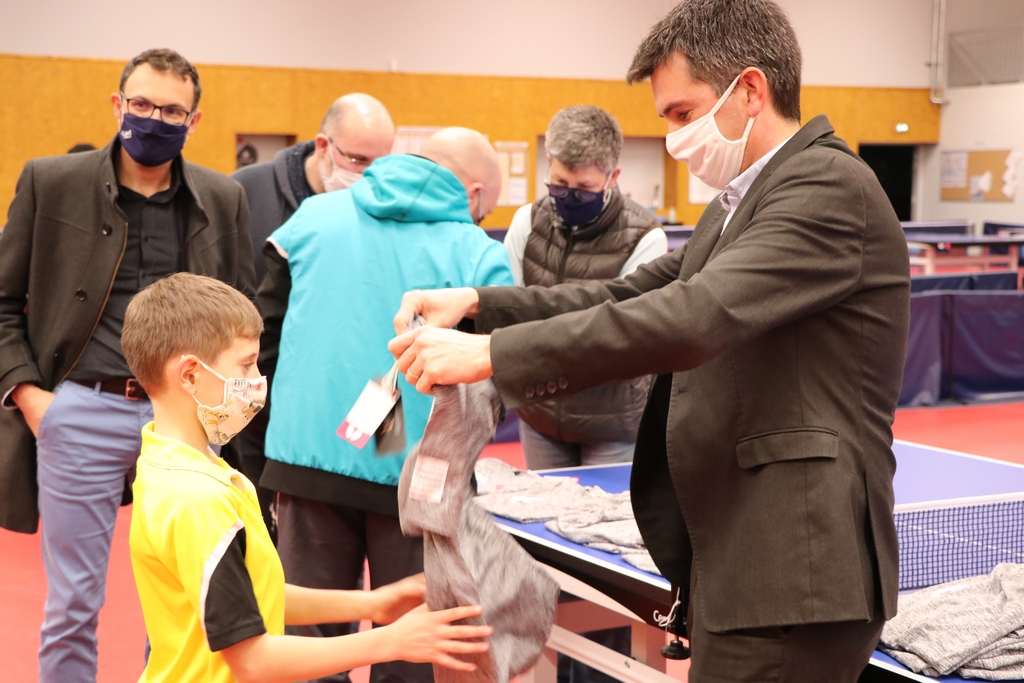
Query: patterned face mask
x=243, y=398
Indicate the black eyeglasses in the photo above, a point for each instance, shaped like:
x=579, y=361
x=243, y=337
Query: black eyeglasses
x=176, y=116
x=355, y=161
x=561, y=192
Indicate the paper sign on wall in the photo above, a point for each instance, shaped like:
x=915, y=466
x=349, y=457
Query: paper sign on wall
x=979, y=176
x=512, y=161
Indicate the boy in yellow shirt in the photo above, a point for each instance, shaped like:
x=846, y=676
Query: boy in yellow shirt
x=210, y=581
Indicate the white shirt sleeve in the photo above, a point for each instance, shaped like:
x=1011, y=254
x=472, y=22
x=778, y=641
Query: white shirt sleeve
x=516, y=237
x=651, y=246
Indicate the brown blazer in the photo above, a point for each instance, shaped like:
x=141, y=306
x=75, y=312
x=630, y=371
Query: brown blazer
x=59, y=253
x=769, y=474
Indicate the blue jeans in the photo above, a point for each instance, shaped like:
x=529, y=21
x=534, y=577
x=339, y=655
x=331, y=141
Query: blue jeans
x=87, y=443
x=545, y=453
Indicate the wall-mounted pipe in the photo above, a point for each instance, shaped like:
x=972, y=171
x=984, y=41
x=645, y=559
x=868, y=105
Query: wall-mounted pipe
x=938, y=63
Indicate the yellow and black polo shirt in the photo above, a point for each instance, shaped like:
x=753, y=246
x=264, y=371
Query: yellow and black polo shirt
x=207, y=572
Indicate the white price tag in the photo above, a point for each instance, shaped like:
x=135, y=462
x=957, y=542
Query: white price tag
x=428, y=477
x=369, y=411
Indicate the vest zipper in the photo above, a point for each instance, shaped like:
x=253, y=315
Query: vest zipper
x=569, y=242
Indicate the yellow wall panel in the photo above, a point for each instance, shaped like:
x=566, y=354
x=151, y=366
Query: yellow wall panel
x=50, y=104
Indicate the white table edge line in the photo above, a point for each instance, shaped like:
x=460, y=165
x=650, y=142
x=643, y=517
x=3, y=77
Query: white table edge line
x=641, y=575
x=959, y=502
x=906, y=673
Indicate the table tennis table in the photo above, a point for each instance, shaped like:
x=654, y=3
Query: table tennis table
x=931, y=250
x=928, y=481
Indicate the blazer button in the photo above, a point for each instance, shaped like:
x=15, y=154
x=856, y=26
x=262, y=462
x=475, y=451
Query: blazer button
x=552, y=387
x=528, y=392
x=107, y=230
x=563, y=383
x=80, y=295
x=540, y=390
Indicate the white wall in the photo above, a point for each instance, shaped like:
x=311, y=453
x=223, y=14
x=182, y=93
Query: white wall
x=879, y=43
x=845, y=42
x=981, y=118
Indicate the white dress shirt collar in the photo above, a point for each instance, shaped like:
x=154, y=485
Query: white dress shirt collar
x=737, y=189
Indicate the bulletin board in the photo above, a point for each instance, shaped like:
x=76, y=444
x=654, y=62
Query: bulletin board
x=989, y=176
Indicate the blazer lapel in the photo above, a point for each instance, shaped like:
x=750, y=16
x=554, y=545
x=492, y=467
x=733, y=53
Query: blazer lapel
x=816, y=128
x=705, y=235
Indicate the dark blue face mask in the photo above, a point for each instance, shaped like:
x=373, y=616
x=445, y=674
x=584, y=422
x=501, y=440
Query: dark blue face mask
x=576, y=207
x=151, y=142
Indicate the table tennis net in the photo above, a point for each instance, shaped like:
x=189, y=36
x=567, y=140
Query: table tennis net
x=951, y=543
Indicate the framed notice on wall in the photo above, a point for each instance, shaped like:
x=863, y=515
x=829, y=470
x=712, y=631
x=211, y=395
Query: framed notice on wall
x=979, y=176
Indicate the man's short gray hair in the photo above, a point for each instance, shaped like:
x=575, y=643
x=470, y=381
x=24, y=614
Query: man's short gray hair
x=721, y=38
x=584, y=136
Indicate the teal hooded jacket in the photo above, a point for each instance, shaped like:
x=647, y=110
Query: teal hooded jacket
x=351, y=255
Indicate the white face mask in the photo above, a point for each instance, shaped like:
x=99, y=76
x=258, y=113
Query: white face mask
x=705, y=150
x=339, y=178
x=243, y=398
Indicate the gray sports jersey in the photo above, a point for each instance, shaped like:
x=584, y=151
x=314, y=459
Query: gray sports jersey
x=467, y=560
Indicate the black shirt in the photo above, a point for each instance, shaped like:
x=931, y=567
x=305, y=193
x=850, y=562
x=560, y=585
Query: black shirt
x=154, y=251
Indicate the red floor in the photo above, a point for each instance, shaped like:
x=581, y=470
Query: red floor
x=995, y=431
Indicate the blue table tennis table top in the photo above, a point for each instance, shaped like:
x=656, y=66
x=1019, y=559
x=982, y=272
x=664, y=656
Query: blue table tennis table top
x=926, y=478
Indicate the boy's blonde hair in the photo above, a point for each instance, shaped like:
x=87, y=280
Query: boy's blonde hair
x=184, y=314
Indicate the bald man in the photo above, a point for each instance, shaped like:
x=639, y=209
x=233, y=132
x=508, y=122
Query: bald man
x=336, y=271
x=355, y=131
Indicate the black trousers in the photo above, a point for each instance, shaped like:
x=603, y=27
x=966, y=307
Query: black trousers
x=324, y=546
x=811, y=653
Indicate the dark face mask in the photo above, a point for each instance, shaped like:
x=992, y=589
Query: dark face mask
x=576, y=207
x=151, y=142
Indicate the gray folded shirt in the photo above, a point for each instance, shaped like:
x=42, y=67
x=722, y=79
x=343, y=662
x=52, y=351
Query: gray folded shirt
x=972, y=627
x=586, y=515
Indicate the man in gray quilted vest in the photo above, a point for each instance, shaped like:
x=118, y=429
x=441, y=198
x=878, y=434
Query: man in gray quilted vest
x=584, y=229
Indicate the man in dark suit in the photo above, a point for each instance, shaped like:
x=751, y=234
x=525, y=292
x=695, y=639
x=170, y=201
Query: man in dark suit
x=762, y=480
x=84, y=233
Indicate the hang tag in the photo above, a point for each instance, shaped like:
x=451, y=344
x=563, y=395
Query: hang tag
x=428, y=477
x=390, y=436
x=370, y=410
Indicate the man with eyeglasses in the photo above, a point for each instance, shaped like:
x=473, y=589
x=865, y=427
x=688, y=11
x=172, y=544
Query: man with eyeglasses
x=85, y=232
x=355, y=131
x=585, y=229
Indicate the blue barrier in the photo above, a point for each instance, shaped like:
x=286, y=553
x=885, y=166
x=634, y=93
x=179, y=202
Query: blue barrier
x=945, y=283
x=964, y=345
x=963, y=281
x=987, y=346
x=922, y=373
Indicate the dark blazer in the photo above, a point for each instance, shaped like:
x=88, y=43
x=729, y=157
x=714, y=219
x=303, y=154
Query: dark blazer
x=59, y=253
x=765, y=471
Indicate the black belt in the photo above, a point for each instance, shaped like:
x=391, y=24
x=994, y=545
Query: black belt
x=128, y=387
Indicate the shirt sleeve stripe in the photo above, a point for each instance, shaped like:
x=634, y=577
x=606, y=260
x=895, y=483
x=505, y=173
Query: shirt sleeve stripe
x=211, y=565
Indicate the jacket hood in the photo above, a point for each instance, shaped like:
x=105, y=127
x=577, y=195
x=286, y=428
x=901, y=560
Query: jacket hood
x=411, y=189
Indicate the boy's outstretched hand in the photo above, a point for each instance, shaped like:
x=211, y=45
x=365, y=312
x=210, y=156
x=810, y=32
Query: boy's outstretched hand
x=424, y=636
x=395, y=599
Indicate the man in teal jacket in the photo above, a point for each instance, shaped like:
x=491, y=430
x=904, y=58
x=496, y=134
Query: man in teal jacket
x=336, y=271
